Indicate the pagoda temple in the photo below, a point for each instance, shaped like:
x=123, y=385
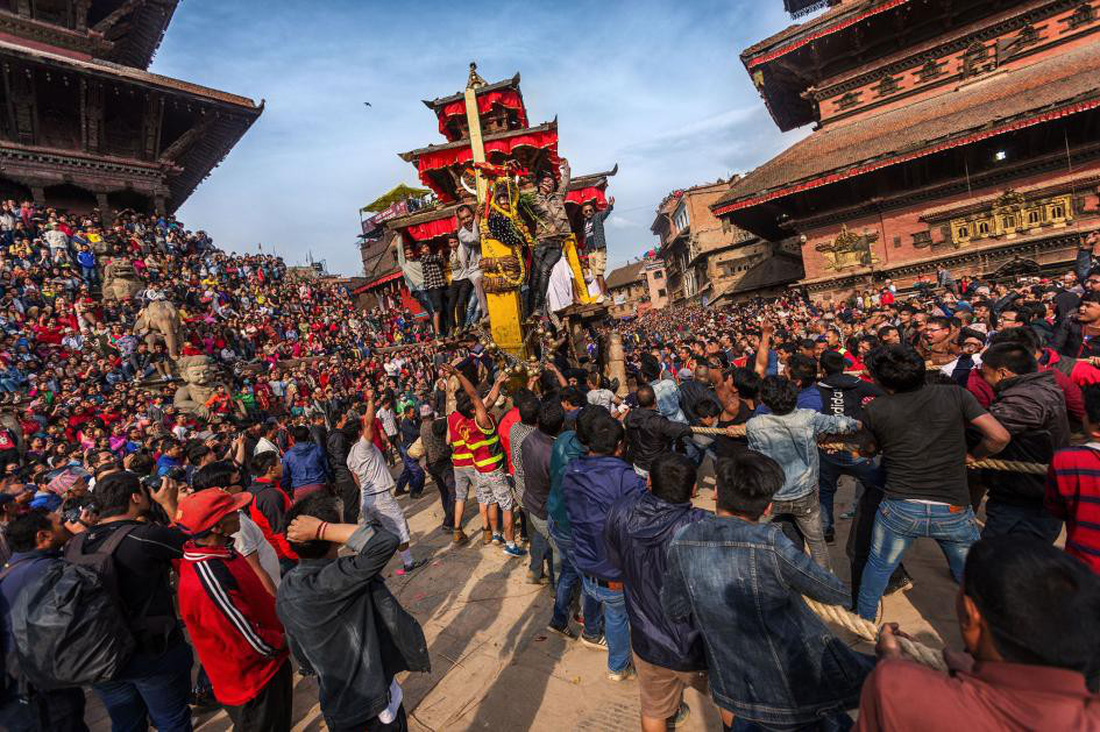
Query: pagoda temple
x=446, y=169
x=961, y=133
x=85, y=124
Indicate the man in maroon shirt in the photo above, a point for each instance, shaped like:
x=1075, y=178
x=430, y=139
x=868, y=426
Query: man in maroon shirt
x=1029, y=616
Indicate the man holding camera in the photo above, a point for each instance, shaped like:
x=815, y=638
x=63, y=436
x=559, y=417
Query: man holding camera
x=156, y=681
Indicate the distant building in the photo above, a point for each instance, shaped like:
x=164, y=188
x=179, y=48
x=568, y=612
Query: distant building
x=654, y=272
x=629, y=290
x=707, y=259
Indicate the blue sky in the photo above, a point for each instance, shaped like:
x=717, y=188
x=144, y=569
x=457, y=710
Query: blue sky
x=655, y=86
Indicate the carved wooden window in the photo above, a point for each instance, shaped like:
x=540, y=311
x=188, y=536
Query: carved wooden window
x=897, y=242
x=922, y=239
x=1058, y=211
x=983, y=228
x=887, y=86
x=931, y=69
x=964, y=232
x=1034, y=218
x=976, y=59
x=849, y=100
x=1083, y=15
x=1008, y=221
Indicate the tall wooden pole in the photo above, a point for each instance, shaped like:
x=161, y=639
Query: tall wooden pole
x=504, y=304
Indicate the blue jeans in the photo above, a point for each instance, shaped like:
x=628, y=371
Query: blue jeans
x=541, y=551
x=896, y=525
x=1006, y=518
x=151, y=688
x=832, y=466
x=412, y=475
x=569, y=579
x=616, y=626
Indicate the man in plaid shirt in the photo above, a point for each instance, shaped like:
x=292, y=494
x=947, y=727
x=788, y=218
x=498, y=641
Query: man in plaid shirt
x=434, y=282
x=1073, y=488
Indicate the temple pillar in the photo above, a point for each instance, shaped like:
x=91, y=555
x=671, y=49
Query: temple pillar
x=102, y=203
x=38, y=193
x=159, y=205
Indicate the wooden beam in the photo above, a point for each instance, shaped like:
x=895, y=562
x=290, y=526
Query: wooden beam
x=188, y=138
x=117, y=15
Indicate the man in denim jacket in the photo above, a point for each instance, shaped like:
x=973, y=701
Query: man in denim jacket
x=789, y=436
x=770, y=660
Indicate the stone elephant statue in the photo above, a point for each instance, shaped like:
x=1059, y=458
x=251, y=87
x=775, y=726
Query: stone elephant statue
x=159, y=320
x=120, y=281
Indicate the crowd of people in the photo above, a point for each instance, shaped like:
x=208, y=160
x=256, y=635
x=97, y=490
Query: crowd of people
x=174, y=556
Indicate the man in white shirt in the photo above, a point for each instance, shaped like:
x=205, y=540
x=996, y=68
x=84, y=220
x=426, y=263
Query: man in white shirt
x=266, y=443
x=369, y=471
x=388, y=418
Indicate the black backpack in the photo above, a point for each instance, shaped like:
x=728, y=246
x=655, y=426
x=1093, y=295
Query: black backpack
x=68, y=624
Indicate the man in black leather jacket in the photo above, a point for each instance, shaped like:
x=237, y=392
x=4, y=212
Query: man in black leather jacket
x=341, y=620
x=648, y=434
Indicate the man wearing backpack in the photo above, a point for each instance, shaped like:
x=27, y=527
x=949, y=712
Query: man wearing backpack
x=156, y=681
x=36, y=539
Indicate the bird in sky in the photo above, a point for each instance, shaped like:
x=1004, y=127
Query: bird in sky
x=368, y=104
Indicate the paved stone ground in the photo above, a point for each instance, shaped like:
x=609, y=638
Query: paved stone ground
x=495, y=666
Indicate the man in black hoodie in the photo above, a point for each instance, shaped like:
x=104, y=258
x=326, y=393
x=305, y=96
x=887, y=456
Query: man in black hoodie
x=843, y=394
x=668, y=655
x=338, y=445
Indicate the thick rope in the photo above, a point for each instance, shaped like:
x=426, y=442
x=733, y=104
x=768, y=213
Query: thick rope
x=1012, y=466
x=866, y=630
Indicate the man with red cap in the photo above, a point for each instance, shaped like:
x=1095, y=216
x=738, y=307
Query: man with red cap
x=231, y=616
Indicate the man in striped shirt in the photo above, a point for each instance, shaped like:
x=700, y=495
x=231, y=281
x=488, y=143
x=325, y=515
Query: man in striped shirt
x=475, y=442
x=1073, y=488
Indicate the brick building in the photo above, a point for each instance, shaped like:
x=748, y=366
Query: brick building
x=959, y=133
x=654, y=272
x=706, y=258
x=629, y=290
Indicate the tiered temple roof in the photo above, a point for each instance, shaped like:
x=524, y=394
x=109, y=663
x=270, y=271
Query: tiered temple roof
x=87, y=124
x=507, y=136
x=851, y=34
x=1056, y=86
x=954, y=132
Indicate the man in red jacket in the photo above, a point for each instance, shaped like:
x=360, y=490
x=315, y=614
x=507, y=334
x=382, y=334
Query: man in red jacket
x=270, y=504
x=230, y=616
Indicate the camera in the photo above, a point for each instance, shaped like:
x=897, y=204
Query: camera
x=152, y=482
x=74, y=507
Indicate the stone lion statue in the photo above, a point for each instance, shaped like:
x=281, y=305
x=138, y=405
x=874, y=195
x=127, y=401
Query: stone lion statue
x=160, y=321
x=120, y=281
x=201, y=382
